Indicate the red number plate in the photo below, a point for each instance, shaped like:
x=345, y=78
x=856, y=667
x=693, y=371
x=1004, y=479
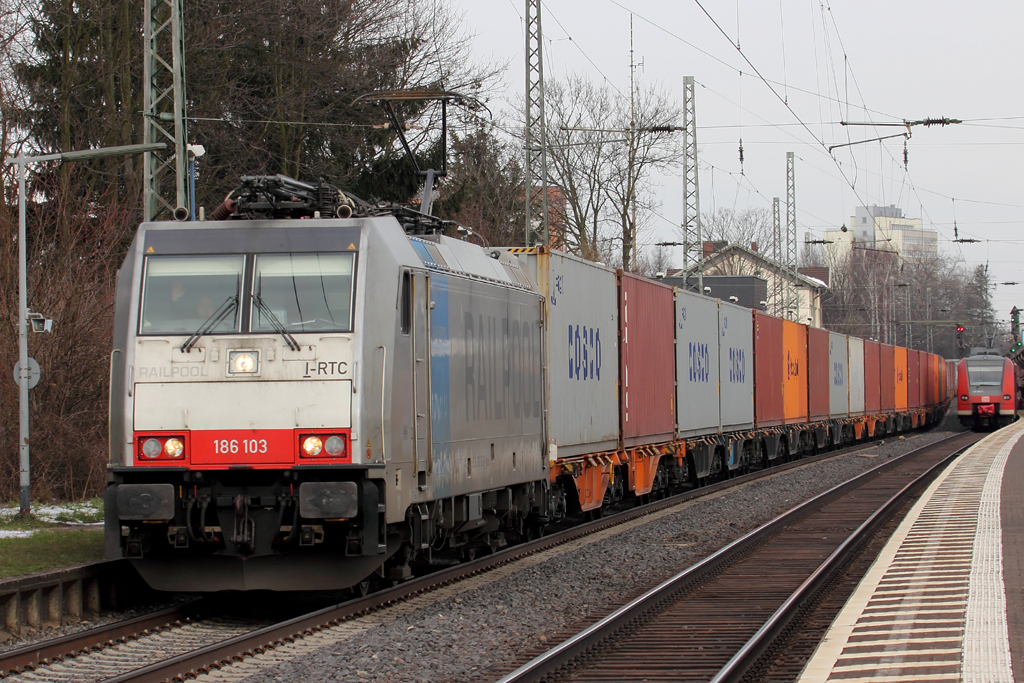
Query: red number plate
x=242, y=447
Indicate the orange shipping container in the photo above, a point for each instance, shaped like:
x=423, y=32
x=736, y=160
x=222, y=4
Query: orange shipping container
x=794, y=378
x=900, y=378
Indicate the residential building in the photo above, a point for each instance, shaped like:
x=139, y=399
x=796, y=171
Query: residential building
x=884, y=228
x=737, y=260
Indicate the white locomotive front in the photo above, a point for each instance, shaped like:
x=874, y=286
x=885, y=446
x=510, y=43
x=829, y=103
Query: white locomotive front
x=299, y=404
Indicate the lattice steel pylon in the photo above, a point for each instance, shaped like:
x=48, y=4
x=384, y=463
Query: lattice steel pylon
x=790, y=254
x=536, y=133
x=693, y=244
x=778, y=282
x=163, y=183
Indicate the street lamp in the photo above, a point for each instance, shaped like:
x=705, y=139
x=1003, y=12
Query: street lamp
x=22, y=163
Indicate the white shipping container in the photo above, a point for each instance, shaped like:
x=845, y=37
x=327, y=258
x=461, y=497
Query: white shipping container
x=839, y=372
x=736, y=363
x=697, y=364
x=856, y=377
x=582, y=348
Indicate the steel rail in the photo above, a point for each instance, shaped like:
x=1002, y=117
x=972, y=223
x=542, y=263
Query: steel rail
x=30, y=656
x=222, y=652
x=776, y=625
x=565, y=653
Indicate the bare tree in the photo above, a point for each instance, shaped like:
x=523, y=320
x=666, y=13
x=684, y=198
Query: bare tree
x=601, y=147
x=915, y=302
x=747, y=227
x=651, y=146
x=580, y=117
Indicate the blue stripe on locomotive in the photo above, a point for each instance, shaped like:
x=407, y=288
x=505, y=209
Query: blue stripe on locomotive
x=440, y=386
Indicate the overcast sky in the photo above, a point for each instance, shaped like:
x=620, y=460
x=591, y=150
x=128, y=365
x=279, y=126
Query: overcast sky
x=867, y=60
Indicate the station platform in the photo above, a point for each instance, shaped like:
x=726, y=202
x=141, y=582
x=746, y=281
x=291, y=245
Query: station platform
x=944, y=601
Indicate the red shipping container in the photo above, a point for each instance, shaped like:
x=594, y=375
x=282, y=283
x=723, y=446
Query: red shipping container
x=819, y=377
x=646, y=360
x=768, y=370
x=925, y=359
x=913, y=379
x=887, y=374
x=872, y=376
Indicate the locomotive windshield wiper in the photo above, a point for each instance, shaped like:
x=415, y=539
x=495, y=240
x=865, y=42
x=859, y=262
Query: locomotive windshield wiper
x=275, y=323
x=215, y=319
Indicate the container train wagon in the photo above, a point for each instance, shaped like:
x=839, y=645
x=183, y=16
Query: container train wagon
x=304, y=404
x=987, y=391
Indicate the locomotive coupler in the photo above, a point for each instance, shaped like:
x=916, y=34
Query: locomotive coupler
x=245, y=529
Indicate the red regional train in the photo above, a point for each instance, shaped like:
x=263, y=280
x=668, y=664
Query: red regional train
x=987, y=391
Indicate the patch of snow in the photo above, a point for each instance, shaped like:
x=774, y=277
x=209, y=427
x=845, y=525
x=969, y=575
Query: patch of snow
x=59, y=513
x=15, y=533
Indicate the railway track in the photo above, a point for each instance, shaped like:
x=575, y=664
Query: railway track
x=182, y=642
x=716, y=619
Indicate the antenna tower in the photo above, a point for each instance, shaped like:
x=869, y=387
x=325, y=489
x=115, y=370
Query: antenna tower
x=693, y=245
x=790, y=250
x=536, y=124
x=778, y=282
x=163, y=176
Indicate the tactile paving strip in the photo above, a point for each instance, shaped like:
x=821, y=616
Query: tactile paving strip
x=932, y=607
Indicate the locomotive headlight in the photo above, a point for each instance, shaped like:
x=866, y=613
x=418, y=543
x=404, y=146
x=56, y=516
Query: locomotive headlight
x=312, y=445
x=335, y=446
x=1007, y=397
x=151, y=448
x=243, y=362
x=965, y=397
x=174, y=448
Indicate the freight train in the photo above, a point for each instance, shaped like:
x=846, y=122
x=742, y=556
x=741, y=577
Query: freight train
x=987, y=394
x=314, y=392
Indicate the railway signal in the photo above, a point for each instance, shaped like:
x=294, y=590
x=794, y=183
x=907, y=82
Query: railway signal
x=1015, y=330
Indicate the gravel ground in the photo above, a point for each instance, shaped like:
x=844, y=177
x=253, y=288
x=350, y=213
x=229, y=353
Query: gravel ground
x=477, y=633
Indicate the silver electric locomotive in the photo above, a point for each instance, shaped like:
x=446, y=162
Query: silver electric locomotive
x=301, y=402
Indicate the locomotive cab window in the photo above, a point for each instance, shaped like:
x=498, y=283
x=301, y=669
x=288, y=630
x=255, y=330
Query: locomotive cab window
x=183, y=293
x=985, y=373
x=302, y=293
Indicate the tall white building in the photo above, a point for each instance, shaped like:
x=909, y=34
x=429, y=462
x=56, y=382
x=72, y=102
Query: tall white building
x=886, y=228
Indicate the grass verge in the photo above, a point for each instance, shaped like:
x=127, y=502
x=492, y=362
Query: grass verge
x=49, y=549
